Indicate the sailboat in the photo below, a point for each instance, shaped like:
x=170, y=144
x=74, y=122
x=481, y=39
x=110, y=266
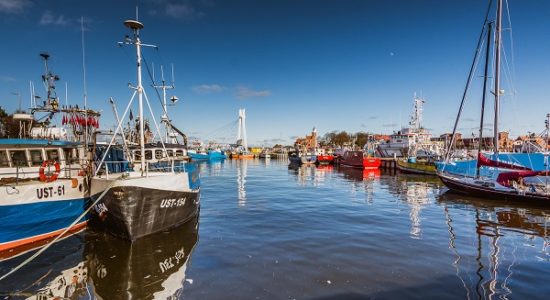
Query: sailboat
x=504, y=180
x=140, y=201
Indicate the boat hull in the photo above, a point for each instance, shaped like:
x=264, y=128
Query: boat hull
x=491, y=193
x=33, y=214
x=137, y=207
x=421, y=168
x=325, y=159
x=370, y=163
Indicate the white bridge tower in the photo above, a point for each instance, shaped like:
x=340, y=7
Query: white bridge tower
x=241, y=134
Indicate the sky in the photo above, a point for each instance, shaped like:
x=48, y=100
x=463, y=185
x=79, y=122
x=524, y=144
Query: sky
x=293, y=65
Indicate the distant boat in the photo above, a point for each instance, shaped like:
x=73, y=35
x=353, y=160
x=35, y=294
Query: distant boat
x=416, y=167
x=265, y=154
x=140, y=201
x=356, y=159
x=325, y=159
x=400, y=143
x=300, y=158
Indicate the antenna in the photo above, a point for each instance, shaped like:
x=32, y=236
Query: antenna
x=173, y=78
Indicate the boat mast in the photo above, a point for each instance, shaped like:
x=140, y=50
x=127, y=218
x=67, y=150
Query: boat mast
x=497, y=72
x=164, y=118
x=485, y=77
x=135, y=26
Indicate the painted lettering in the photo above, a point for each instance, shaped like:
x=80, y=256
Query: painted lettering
x=48, y=192
x=172, y=202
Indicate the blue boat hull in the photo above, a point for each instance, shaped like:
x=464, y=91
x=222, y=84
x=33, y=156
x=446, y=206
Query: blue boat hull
x=26, y=226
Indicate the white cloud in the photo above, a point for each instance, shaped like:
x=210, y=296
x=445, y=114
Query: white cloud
x=48, y=18
x=208, y=88
x=5, y=78
x=14, y=6
x=243, y=92
x=175, y=9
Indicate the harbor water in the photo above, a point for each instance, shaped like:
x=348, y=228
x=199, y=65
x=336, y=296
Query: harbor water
x=270, y=231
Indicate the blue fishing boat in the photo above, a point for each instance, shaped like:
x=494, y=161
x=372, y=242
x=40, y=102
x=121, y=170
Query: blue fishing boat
x=42, y=173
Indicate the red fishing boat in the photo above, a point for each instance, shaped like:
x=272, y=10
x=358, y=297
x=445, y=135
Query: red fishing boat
x=371, y=163
x=325, y=159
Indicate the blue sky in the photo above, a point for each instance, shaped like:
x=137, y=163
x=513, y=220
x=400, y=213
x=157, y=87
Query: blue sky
x=335, y=65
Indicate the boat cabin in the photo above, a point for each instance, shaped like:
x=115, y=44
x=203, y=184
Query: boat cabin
x=24, y=158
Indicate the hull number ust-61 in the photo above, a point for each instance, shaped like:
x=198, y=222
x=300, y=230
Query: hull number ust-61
x=48, y=192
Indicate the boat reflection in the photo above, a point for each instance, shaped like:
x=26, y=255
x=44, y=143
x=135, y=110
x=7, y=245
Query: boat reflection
x=211, y=168
x=310, y=175
x=417, y=191
x=359, y=174
x=58, y=273
x=499, y=227
x=152, y=267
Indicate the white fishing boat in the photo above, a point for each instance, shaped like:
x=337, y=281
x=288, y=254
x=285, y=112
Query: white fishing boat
x=142, y=200
x=401, y=142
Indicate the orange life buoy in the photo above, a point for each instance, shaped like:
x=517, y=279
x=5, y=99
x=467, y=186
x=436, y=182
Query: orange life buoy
x=52, y=176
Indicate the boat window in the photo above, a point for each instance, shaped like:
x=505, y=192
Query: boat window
x=69, y=156
x=158, y=154
x=179, y=153
x=148, y=154
x=170, y=153
x=137, y=155
x=4, y=162
x=18, y=158
x=52, y=154
x=36, y=157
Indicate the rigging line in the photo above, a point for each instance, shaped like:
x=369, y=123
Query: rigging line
x=28, y=260
x=468, y=81
x=511, y=38
x=154, y=83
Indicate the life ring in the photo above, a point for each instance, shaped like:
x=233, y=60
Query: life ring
x=52, y=176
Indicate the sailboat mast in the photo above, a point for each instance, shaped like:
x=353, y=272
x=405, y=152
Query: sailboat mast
x=497, y=72
x=485, y=77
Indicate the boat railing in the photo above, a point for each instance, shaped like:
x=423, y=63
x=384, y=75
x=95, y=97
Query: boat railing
x=24, y=173
x=117, y=167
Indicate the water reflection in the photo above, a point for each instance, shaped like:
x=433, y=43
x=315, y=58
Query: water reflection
x=418, y=192
x=150, y=268
x=242, y=166
x=505, y=236
x=106, y=267
x=59, y=272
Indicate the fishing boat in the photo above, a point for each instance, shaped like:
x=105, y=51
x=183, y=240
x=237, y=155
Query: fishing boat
x=400, y=142
x=416, y=167
x=43, y=186
x=265, y=154
x=302, y=158
x=323, y=157
x=357, y=159
x=495, y=178
x=140, y=201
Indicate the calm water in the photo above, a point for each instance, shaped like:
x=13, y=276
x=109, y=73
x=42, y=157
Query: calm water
x=267, y=231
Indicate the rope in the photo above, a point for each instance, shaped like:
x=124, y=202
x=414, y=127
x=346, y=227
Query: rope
x=28, y=260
